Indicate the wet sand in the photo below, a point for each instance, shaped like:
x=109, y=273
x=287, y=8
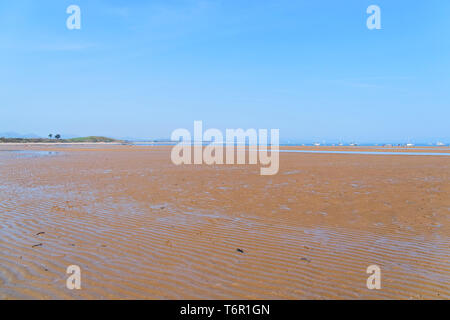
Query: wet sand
x=141, y=227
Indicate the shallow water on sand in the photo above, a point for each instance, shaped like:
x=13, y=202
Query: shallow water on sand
x=27, y=153
x=372, y=152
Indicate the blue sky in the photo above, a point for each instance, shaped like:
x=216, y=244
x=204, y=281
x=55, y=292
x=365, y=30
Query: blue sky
x=309, y=68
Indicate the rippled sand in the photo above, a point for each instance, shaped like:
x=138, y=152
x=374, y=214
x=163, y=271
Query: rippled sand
x=140, y=227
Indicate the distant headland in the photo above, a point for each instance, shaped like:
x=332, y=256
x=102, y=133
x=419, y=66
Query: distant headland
x=57, y=139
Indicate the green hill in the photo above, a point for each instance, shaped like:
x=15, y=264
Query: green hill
x=91, y=139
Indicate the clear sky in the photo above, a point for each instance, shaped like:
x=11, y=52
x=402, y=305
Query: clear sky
x=309, y=68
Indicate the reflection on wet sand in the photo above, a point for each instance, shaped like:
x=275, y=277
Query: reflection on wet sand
x=140, y=227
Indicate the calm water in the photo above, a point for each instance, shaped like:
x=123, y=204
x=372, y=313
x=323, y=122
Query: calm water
x=373, y=152
x=28, y=153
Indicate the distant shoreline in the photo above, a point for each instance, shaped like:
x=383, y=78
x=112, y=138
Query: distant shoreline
x=58, y=143
x=90, y=139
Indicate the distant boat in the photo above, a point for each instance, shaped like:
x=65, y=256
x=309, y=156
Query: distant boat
x=341, y=144
x=440, y=144
x=316, y=143
x=353, y=144
x=410, y=144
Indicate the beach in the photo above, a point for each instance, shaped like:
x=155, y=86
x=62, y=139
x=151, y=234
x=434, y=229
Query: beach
x=140, y=227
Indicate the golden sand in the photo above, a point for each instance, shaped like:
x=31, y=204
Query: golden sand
x=141, y=227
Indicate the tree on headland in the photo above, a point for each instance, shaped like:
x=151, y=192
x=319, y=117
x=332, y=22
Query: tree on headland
x=57, y=136
x=50, y=136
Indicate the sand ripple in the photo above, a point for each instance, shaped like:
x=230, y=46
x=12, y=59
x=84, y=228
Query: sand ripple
x=135, y=232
